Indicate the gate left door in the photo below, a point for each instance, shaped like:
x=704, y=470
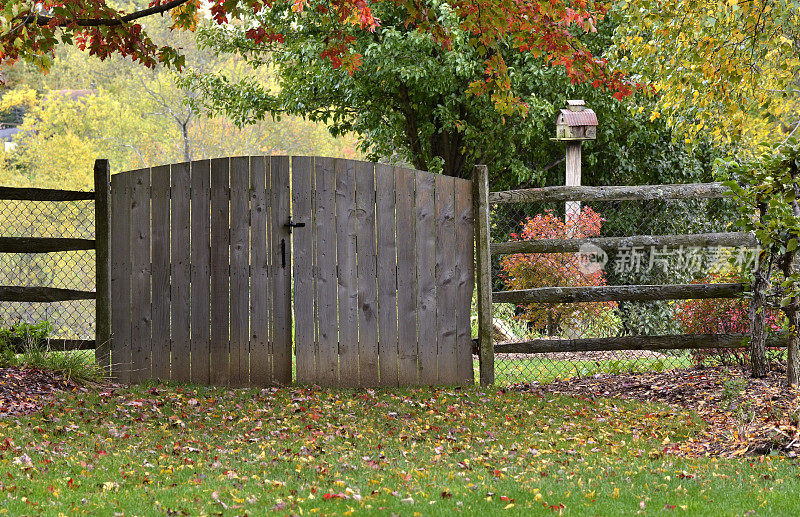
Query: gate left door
x=200, y=273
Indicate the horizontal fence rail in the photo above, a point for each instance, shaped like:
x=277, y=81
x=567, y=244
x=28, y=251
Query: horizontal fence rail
x=44, y=244
x=43, y=194
x=725, y=239
x=619, y=293
x=42, y=294
x=612, y=193
x=20, y=345
x=670, y=342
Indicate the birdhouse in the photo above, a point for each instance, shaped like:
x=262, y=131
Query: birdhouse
x=576, y=122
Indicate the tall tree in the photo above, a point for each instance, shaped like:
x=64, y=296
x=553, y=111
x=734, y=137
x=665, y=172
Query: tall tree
x=31, y=30
x=729, y=70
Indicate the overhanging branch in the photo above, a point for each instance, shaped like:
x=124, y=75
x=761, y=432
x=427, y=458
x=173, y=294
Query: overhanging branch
x=111, y=22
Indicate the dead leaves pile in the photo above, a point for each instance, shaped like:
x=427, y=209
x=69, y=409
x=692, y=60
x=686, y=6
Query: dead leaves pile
x=744, y=416
x=24, y=390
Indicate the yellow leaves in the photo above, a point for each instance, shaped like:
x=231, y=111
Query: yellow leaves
x=654, y=115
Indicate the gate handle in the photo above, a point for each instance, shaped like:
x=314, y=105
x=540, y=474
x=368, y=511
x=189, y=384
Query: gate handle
x=291, y=224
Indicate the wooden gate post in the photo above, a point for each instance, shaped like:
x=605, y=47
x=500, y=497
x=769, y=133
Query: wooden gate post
x=480, y=180
x=102, y=224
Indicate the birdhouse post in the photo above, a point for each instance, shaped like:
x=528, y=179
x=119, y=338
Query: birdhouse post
x=575, y=124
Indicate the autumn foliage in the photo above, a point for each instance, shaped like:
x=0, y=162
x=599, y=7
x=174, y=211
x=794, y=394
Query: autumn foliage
x=31, y=31
x=532, y=270
x=721, y=316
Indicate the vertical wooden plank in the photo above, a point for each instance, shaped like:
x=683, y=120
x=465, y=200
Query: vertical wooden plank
x=240, y=271
x=366, y=269
x=480, y=181
x=387, y=274
x=160, y=180
x=220, y=370
x=302, y=181
x=180, y=271
x=426, y=278
x=446, y=280
x=140, y=278
x=325, y=278
x=465, y=274
x=102, y=232
x=121, y=362
x=346, y=260
x=407, y=278
x=201, y=269
x=260, y=362
x=281, y=250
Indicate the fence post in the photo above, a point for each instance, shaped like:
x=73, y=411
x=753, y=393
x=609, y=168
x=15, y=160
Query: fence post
x=480, y=180
x=102, y=221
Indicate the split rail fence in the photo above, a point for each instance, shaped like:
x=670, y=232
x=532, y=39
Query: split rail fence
x=599, y=293
x=38, y=294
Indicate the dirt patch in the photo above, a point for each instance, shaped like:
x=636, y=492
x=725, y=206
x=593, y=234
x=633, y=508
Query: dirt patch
x=25, y=390
x=743, y=415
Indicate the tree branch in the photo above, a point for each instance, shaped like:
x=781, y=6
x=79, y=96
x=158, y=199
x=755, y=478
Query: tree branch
x=111, y=22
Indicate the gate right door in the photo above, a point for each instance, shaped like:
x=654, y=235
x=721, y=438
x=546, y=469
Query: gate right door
x=383, y=274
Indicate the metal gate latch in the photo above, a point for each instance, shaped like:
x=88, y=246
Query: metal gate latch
x=291, y=224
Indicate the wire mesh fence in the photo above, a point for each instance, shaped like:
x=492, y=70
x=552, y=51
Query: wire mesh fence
x=66, y=270
x=618, y=266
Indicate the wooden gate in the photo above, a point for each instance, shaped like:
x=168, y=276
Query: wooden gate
x=383, y=270
x=201, y=273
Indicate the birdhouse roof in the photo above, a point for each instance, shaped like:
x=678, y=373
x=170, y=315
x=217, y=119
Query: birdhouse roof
x=586, y=117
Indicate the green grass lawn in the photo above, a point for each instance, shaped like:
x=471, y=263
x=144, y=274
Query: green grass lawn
x=188, y=450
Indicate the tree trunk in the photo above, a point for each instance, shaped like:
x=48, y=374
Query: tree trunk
x=793, y=356
x=758, y=322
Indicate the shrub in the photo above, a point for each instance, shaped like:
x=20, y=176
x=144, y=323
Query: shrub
x=531, y=270
x=721, y=316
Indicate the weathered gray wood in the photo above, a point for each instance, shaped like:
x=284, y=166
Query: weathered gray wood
x=220, y=349
x=240, y=271
x=388, y=355
x=407, y=278
x=180, y=271
x=200, y=272
x=303, y=264
x=282, y=315
x=43, y=194
x=20, y=345
x=42, y=294
x=465, y=275
x=260, y=360
x=618, y=293
x=120, y=278
x=102, y=231
x=573, y=178
x=480, y=179
x=273, y=263
x=426, y=278
x=446, y=280
x=612, y=193
x=346, y=260
x=141, y=317
x=44, y=244
x=612, y=244
x=369, y=374
x=160, y=181
x=325, y=276
x=670, y=342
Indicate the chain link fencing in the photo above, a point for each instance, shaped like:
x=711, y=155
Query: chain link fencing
x=616, y=267
x=66, y=270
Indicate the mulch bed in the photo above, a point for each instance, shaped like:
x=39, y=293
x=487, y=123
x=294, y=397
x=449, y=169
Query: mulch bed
x=745, y=416
x=24, y=390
